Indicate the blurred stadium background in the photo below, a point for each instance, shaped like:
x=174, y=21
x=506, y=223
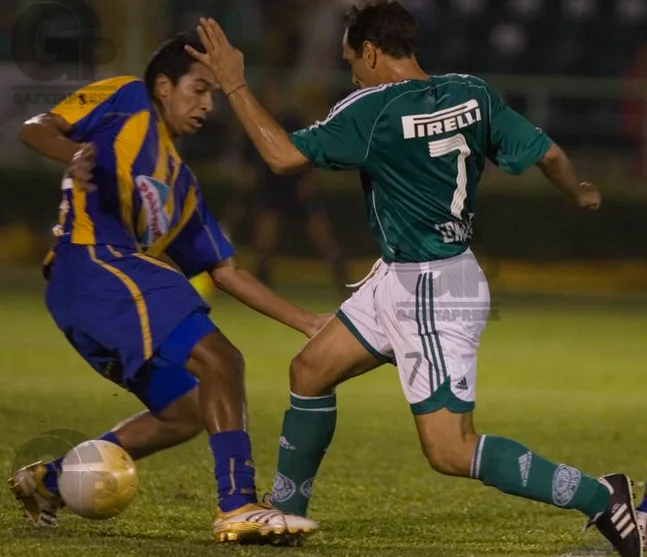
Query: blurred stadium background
x=569, y=288
x=577, y=68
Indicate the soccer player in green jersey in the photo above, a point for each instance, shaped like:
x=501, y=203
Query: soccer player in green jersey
x=420, y=143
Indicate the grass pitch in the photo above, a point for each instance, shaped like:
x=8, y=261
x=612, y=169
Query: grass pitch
x=567, y=379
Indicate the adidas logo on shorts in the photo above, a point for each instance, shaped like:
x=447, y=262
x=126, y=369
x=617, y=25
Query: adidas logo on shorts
x=462, y=385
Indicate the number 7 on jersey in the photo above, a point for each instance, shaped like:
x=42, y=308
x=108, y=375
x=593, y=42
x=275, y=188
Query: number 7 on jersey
x=442, y=147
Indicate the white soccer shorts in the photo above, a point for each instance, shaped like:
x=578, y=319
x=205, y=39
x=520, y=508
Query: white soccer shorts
x=427, y=318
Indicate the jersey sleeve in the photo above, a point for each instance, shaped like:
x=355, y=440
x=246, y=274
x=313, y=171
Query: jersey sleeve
x=85, y=108
x=341, y=141
x=201, y=244
x=514, y=143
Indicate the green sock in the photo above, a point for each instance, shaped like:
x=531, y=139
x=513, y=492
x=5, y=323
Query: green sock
x=514, y=469
x=308, y=428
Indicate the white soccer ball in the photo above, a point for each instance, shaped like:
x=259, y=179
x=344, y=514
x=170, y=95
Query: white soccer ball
x=98, y=480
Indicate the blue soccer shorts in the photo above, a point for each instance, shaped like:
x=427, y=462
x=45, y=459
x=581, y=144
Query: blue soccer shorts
x=133, y=318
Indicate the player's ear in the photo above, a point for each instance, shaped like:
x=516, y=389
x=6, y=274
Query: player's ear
x=163, y=86
x=369, y=53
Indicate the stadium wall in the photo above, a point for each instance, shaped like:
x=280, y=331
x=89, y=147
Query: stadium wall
x=526, y=241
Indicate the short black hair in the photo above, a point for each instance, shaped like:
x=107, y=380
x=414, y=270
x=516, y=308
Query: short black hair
x=171, y=60
x=387, y=24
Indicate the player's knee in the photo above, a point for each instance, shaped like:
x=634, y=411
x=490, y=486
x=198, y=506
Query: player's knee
x=443, y=459
x=222, y=363
x=183, y=419
x=451, y=457
x=305, y=376
x=184, y=428
x=191, y=426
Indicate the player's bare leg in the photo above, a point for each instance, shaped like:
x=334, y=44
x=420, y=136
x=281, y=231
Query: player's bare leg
x=36, y=486
x=219, y=367
x=331, y=357
x=146, y=433
x=453, y=447
x=265, y=238
x=322, y=236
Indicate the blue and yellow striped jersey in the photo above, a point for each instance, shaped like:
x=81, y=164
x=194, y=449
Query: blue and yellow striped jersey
x=146, y=199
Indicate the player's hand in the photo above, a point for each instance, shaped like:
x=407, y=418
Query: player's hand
x=80, y=169
x=318, y=323
x=226, y=62
x=589, y=196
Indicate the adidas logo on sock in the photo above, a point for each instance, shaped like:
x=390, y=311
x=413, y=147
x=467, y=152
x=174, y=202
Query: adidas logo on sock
x=525, y=461
x=285, y=444
x=462, y=384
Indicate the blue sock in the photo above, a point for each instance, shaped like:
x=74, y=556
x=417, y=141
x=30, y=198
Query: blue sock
x=234, y=470
x=54, y=467
x=643, y=505
x=110, y=436
x=51, y=476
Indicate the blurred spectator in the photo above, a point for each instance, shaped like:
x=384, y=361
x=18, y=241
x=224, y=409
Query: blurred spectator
x=321, y=34
x=282, y=199
x=635, y=112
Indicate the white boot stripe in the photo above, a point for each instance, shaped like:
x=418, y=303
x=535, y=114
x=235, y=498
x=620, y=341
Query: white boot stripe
x=628, y=530
x=623, y=522
x=616, y=516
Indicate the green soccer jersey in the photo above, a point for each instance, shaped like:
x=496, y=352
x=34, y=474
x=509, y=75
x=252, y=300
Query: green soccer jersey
x=421, y=147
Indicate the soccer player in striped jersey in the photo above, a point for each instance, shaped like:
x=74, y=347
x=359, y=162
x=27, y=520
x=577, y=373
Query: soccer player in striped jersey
x=128, y=201
x=420, y=143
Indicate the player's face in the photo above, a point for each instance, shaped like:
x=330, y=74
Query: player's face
x=191, y=100
x=361, y=64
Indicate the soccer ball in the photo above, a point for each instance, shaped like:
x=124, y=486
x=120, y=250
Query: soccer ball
x=98, y=480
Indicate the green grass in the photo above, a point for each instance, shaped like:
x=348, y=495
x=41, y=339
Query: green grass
x=566, y=379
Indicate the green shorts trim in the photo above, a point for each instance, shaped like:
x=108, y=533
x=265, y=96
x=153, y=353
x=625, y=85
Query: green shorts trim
x=381, y=358
x=442, y=398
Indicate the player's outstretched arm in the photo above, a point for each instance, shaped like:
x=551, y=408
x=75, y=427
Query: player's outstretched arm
x=226, y=63
x=47, y=135
x=244, y=287
x=558, y=168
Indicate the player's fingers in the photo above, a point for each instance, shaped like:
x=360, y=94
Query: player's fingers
x=199, y=56
x=217, y=33
x=81, y=175
x=209, y=28
x=205, y=39
x=83, y=180
x=86, y=171
x=594, y=204
x=86, y=185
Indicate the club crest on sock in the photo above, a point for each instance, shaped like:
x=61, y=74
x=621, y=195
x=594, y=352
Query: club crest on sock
x=284, y=488
x=306, y=488
x=566, y=480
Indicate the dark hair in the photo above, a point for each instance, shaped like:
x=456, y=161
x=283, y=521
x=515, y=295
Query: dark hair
x=387, y=24
x=171, y=60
